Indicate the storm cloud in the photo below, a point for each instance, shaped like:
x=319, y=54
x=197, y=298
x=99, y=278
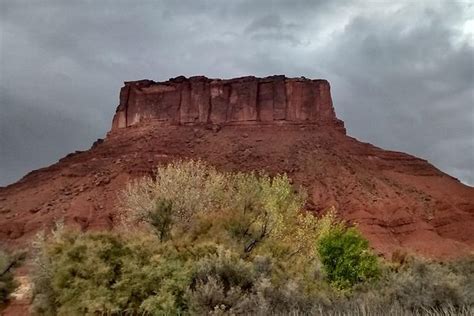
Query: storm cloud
x=402, y=73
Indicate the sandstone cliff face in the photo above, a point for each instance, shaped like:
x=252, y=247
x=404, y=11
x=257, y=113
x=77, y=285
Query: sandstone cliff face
x=246, y=100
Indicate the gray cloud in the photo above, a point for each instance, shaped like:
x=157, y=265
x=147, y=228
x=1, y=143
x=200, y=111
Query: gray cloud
x=417, y=82
x=269, y=21
x=401, y=73
x=272, y=27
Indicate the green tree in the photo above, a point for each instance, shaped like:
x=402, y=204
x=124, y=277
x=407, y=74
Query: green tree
x=346, y=257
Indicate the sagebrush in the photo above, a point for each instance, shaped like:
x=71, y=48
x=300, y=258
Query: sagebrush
x=198, y=241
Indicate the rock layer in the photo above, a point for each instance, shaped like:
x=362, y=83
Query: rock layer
x=246, y=100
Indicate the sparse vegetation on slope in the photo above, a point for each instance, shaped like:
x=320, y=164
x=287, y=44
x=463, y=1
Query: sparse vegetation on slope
x=7, y=283
x=197, y=241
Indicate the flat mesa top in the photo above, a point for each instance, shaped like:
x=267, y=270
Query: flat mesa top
x=243, y=100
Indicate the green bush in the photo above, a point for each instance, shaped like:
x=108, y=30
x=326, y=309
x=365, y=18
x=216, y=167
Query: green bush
x=105, y=273
x=346, y=257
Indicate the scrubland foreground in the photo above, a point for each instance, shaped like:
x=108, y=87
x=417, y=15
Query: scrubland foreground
x=196, y=241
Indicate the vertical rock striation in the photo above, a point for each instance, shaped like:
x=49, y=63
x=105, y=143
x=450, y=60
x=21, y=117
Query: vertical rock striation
x=245, y=100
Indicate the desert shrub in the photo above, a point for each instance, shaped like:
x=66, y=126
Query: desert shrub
x=417, y=286
x=231, y=244
x=346, y=256
x=192, y=186
x=422, y=284
x=7, y=282
x=227, y=267
x=289, y=298
x=464, y=268
x=262, y=208
x=104, y=273
x=222, y=282
x=194, y=200
x=226, y=284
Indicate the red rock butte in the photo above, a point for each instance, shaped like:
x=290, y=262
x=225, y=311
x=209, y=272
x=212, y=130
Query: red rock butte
x=245, y=100
x=276, y=124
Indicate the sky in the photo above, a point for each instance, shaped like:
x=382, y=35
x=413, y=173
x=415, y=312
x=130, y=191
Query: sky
x=401, y=72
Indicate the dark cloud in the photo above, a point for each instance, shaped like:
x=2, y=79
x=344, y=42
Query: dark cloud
x=414, y=78
x=401, y=73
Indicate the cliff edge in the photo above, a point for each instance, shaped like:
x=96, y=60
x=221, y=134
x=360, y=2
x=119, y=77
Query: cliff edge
x=246, y=100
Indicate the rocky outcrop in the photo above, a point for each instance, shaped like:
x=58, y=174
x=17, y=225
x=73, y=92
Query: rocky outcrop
x=246, y=100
